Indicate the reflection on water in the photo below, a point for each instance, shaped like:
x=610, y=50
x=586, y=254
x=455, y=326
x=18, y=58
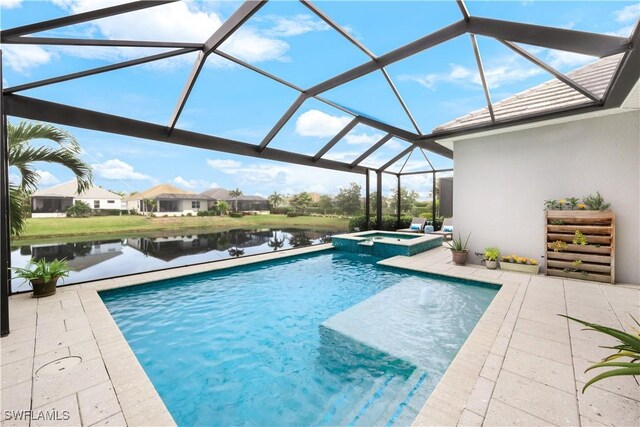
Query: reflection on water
x=98, y=259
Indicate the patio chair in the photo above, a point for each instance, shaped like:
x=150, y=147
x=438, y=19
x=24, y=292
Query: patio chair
x=447, y=229
x=417, y=226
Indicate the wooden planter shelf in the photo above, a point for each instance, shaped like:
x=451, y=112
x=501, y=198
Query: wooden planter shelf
x=597, y=256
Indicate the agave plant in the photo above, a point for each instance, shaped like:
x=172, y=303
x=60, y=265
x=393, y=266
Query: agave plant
x=457, y=245
x=628, y=348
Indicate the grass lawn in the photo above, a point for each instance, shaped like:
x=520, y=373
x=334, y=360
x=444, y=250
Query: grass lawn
x=43, y=228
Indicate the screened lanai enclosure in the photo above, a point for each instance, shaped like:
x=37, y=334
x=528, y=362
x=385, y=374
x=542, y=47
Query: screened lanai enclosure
x=345, y=78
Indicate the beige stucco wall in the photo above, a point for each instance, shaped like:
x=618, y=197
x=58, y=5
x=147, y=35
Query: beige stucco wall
x=502, y=181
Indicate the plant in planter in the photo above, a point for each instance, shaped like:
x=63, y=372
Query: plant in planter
x=595, y=203
x=629, y=349
x=459, y=251
x=44, y=275
x=579, y=238
x=491, y=256
x=558, y=246
x=552, y=205
x=520, y=264
x=572, y=202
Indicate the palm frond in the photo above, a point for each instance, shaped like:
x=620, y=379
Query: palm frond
x=25, y=132
x=17, y=210
x=23, y=156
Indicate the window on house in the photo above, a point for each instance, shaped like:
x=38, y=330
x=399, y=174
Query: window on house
x=195, y=204
x=96, y=204
x=111, y=201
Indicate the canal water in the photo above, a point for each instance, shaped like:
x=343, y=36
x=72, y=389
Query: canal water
x=99, y=259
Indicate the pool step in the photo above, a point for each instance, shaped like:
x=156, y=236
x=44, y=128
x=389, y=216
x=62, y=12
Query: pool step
x=388, y=401
x=409, y=401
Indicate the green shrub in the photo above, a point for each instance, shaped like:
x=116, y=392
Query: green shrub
x=388, y=223
x=280, y=211
x=236, y=215
x=107, y=212
x=295, y=214
x=79, y=209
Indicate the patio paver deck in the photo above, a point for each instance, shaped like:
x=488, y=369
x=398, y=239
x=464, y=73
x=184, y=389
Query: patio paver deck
x=522, y=364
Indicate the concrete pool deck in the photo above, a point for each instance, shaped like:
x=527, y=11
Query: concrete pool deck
x=521, y=365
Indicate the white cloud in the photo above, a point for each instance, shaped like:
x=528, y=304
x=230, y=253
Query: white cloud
x=627, y=14
x=248, y=44
x=319, y=124
x=193, y=184
x=622, y=32
x=288, y=26
x=362, y=138
x=117, y=169
x=47, y=178
x=498, y=71
x=223, y=164
x=188, y=21
x=560, y=59
x=22, y=58
x=10, y=4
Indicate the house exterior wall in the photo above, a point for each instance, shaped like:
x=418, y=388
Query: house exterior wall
x=184, y=207
x=502, y=181
x=101, y=203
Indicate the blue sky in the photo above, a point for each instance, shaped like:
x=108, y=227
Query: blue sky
x=287, y=40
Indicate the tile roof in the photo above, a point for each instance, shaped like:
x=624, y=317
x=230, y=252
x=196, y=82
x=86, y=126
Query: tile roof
x=69, y=189
x=153, y=192
x=550, y=95
x=187, y=196
x=222, y=194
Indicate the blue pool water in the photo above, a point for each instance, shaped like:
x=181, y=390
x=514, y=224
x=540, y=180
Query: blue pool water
x=244, y=346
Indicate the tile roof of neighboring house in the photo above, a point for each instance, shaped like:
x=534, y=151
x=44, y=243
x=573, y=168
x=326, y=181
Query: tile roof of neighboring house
x=188, y=196
x=222, y=194
x=153, y=192
x=550, y=95
x=69, y=189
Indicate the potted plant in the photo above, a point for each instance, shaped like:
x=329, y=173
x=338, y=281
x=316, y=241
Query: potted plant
x=520, y=264
x=491, y=256
x=459, y=250
x=44, y=275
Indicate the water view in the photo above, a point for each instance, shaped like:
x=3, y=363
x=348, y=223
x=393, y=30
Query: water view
x=101, y=258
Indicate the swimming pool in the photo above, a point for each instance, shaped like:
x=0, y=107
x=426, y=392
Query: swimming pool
x=246, y=346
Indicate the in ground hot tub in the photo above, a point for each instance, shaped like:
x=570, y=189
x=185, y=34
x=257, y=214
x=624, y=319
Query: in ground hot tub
x=386, y=244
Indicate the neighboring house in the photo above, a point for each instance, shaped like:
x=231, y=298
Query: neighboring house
x=170, y=201
x=503, y=176
x=54, y=202
x=245, y=203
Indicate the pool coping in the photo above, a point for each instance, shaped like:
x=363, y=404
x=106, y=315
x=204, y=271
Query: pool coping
x=416, y=237
x=118, y=391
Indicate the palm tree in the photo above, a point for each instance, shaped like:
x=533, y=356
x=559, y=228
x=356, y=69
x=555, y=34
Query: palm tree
x=22, y=155
x=235, y=194
x=276, y=199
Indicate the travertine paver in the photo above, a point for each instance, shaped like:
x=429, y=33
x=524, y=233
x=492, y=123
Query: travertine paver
x=522, y=364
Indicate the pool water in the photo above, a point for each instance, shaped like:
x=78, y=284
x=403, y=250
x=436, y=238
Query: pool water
x=244, y=346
